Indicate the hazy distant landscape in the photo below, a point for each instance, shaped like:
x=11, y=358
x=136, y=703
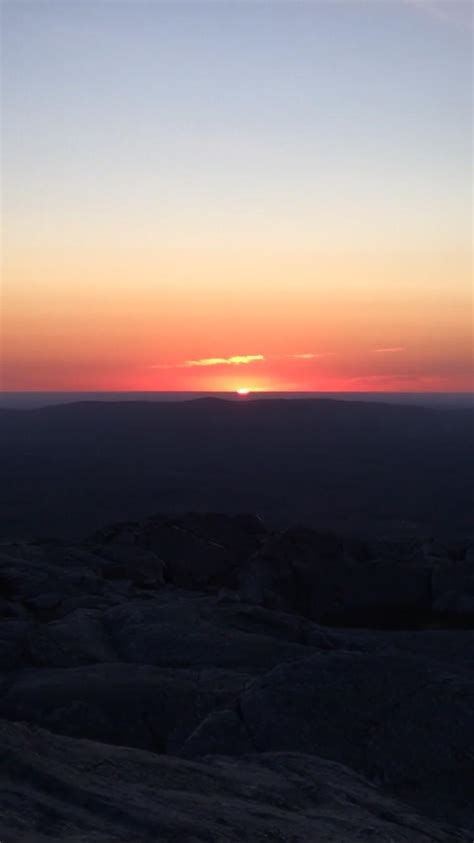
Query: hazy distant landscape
x=358, y=467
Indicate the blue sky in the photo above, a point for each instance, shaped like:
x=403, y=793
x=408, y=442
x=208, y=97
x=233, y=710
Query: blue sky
x=228, y=97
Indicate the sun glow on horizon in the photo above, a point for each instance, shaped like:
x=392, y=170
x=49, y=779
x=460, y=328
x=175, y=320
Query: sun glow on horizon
x=244, y=390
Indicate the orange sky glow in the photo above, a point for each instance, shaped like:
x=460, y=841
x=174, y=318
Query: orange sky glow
x=173, y=323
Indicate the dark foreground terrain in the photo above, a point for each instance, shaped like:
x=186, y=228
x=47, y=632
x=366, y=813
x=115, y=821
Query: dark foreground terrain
x=372, y=468
x=205, y=679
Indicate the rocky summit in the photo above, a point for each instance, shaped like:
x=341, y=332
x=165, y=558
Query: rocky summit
x=204, y=678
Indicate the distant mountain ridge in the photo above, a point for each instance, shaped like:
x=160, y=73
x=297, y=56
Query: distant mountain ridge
x=29, y=400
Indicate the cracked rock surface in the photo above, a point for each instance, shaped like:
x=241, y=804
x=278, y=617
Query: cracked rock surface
x=146, y=694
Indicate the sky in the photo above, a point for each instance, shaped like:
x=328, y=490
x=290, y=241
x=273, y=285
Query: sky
x=221, y=195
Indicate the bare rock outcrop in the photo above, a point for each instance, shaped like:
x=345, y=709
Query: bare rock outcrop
x=58, y=789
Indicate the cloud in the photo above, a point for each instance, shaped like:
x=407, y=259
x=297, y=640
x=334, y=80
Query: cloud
x=394, y=349
x=302, y=356
x=237, y=360
x=305, y=356
x=309, y=356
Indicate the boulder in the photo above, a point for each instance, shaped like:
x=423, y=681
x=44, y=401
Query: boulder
x=130, y=705
x=283, y=626
x=220, y=733
x=404, y=722
x=199, y=551
x=14, y=641
x=128, y=562
x=39, y=577
x=453, y=591
x=315, y=575
x=175, y=632
x=74, y=640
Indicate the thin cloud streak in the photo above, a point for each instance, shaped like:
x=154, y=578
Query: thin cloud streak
x=310, y=356
x=394, y=349
x=239, y=360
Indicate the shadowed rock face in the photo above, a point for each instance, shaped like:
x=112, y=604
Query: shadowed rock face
x=54, y=788
x=199, y=551
x=135, y=705
x=403, y=723
x=134, y=708
x=320, y=575
x=346, y=582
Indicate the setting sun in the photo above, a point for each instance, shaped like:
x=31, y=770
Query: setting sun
x=244, y=390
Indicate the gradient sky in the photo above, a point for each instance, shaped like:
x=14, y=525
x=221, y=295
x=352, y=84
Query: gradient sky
x=210, y=195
